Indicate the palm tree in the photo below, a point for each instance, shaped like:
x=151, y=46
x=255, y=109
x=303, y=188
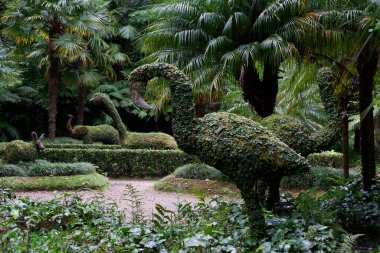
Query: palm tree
x=41, y=23
x=239, y=41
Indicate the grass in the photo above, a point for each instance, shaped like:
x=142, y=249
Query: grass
x=204, y=187
x=91, y=181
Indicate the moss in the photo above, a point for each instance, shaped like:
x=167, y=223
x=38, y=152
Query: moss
x=19, y=151
x=293, y=132
x=92, y=181
x=327, y=158
x=124, y=162
x=130, y=139
x=240, y=148
x=149, y=140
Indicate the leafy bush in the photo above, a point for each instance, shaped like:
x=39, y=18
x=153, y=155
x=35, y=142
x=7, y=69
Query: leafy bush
x=327, y=158
x=88, y=181
x=45, y=168
x=356, y=210
x=149, y=141
x=320, y=177
x=3, y=145
x=124, y=162
x=199, y=171
x=19, y=150
x=72, y=225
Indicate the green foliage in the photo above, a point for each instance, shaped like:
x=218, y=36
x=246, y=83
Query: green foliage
x=76, y=182
x=69, y=223
x=101, y=133
x=319, y=177
x=19, y=151
x=136, y=140
x=199, y=171
x=123, y=162
x=62, y=140
x=82, y=146
x=327, y=159
x=45, y=168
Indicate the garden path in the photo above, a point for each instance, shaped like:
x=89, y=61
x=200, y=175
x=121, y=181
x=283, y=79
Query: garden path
x=116, y=193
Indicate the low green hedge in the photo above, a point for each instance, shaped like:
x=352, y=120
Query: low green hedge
x=90, y=181
x=327, y=158
x=124, y=162
x=45, y=168
x=83, y=146
x=320, y=177
x=199, y=171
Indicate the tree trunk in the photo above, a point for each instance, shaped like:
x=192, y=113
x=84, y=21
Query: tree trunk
x=357, y=140
x=53, y=75
x=260, y=94
x=345, y=141
x=81, y=103
x=366, y=65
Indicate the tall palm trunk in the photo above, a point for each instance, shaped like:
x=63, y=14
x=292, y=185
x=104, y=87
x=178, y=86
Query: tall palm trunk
x=81, y=103
x=260, y=94
x=53, y=72
x=345, y=139
x=367, y=65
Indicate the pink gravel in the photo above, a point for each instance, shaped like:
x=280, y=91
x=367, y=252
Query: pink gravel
x=116, y=193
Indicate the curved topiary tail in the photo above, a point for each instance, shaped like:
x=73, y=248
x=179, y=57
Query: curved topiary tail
x=102, y=100
x=182, y=101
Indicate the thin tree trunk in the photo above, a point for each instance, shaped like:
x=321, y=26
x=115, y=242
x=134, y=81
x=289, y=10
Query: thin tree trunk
x=81, y=103
x=357, y=140
x=53, y=72
x=366, y=65
x=345, y=141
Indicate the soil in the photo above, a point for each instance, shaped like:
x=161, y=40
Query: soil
x=116, y=193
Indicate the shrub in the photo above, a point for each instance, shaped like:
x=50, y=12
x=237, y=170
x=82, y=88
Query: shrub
x=19, y=151
x=71, y=224
x=320, y=177
x=199, y=171
x=327, y=158
x=149, y=140
x=3, y=145
x=124, y=162
x=91, y=181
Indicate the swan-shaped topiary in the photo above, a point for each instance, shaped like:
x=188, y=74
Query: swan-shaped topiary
x=294, y=133
x=128, y=139
x=90, y=134
x=239, y=147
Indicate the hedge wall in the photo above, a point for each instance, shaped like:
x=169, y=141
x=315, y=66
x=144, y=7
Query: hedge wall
x=124, y=162
x=83, y=146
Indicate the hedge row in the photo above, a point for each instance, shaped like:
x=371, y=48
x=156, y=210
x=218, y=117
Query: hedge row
x=83, y=146
x=327, y=159
x=124, y=162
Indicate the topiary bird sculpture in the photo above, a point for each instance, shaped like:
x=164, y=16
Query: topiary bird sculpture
x=239, y=147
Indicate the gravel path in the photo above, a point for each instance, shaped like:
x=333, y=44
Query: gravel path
x=116, y=193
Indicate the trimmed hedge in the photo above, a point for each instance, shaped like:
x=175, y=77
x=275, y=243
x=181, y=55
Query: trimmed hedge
x=83, y=146
x=327, y=158
x=199, y=171
x=45, y=168
x=90, y=181
x=3, y=146
x=18, y=150
x=124, y=162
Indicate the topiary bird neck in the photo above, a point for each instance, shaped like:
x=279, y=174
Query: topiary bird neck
x=69, y=127
x=103, y=101
x=182, y=99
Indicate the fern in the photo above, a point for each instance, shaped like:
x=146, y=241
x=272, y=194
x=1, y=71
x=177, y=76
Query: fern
x=349, y=243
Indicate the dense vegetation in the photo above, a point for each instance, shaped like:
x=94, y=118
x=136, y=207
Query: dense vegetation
x=260, y=90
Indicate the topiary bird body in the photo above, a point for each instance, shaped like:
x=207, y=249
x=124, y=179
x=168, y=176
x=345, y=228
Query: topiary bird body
x=90, y=134
x=239, y=147
x=128, y=139
x=294, y=133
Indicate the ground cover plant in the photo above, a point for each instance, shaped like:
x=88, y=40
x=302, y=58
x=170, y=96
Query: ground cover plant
x=70, y=224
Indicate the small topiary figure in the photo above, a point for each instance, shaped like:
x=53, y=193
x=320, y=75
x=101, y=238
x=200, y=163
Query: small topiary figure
x=130, y=139
x=90, y=134
x=19, y=150
x=239, y=147
x=293, y=132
